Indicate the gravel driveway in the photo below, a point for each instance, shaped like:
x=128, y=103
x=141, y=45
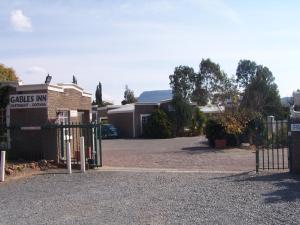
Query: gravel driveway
x=99, y=197
x=177, y=153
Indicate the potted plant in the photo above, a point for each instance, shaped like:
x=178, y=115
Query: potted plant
x=215, y=133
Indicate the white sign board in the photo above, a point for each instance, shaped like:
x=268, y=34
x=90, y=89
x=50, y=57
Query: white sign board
x=73, y=113
x=24, y=101
x=295, y=127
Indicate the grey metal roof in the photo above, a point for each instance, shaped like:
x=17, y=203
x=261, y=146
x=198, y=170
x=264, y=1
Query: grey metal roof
x=155, y=96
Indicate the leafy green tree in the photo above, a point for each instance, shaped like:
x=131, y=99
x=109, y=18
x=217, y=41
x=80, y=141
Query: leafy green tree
x=98, y=95
x=7, y=74
x=261, y=92
x=158, y=125
x=210, y=84
x=181, y=116
x=128, y=96
x=245, y=71
x=181, y=81
x=200, y=119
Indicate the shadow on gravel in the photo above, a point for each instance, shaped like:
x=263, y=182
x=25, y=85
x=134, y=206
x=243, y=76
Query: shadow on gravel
x=198, y=149
x=286, y=185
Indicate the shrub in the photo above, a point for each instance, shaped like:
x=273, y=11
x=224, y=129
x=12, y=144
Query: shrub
x=158, y=125
x=214, y=130
x=198, y=121
x=228, y=125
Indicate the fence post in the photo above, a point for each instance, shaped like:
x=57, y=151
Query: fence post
x=2, y=172
x=82, y=155
x=69, y=166
x=257, y=159
x=100, y=145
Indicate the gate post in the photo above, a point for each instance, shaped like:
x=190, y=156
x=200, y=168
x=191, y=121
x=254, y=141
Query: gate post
x=2, y=172
x=257, y=159
x=82, y=155
x=69, y=165
x=294, y=147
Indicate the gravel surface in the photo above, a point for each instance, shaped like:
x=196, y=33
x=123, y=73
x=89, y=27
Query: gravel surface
x=99, y=197
x=182, y=153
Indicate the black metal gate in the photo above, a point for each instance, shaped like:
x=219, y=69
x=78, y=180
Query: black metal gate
x=49, y=142
x=273, y=145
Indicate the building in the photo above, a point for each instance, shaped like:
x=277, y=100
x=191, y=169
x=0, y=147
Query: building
x=130, y=119
x=32, y=106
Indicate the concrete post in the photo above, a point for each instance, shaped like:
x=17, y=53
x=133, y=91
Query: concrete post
x=82, y=155
x=69, y=165
x=2, y=172
x=99, y=160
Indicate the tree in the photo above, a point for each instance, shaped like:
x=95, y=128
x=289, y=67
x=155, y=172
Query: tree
x=98, y=95
x=128, y=96
x=261, y=92
x=245, y=71
x=7, y=74
x=158, y=125
x=181, y=81
x=182, y=114
x=199, y=119
x=210, y=83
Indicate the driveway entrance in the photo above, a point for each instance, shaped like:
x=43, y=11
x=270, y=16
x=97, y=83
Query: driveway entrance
x=188, y=153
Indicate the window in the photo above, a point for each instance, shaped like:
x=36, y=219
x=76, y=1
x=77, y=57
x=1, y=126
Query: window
x=62, y=117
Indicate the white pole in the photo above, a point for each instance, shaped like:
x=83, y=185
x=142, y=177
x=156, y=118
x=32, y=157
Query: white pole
x=2, y=172
x=69, y=166
x=98, y=152
x=82, y=155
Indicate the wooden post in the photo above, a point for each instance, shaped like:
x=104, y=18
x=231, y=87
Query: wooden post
x=82, y=155
x=2, y=172
x=69, y=165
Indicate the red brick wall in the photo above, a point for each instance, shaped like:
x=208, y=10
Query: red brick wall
x=68, y=100
x=123, y=122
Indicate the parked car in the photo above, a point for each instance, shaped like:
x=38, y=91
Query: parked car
x=108, y=131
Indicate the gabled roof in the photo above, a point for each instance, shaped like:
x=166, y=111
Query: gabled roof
x=155, y=97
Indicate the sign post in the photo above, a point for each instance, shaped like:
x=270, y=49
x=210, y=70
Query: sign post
x=2, y=172
x=69, y=165
x=82, y=155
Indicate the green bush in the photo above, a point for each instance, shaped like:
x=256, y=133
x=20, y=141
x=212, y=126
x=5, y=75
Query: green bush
x=158, y=126
x=198, y=121
x=214, y=130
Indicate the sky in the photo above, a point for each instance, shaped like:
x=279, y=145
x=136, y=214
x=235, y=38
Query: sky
x=139, y=43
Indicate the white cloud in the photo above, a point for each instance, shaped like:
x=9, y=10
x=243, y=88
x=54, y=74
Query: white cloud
x=19, y=21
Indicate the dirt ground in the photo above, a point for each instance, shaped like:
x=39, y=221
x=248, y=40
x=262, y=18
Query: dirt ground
x=190, y=153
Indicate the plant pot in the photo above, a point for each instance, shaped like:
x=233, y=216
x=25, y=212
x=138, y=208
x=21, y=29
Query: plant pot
x=220, y=143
